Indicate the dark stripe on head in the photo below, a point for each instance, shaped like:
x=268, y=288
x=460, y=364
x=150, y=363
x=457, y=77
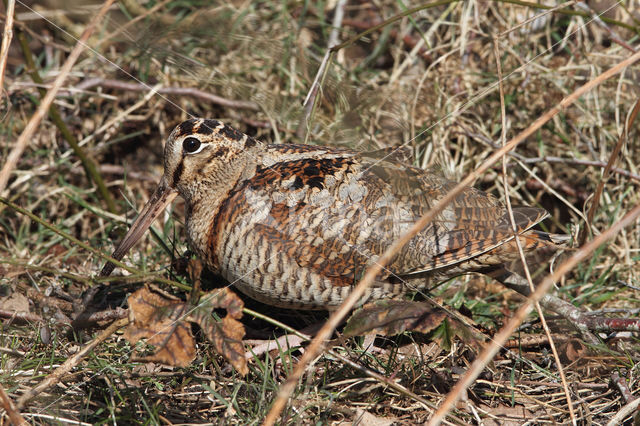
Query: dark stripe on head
x=250, y=142
x=231, y=133
x=223, y=150
x=208, y=127
x=178, y=172
x=186, y=127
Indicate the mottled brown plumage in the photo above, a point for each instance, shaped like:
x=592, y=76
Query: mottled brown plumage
x=297, y=225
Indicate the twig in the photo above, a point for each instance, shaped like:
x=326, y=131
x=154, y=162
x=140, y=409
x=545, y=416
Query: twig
x=551, y=159
x=611, y=324
x=516, y=238
x=12, y=352
x=391, y=20
x=536, y=16
x=584, y=321
x=336, y=318
x=559, y=185
x=85, y=320
x=598, y=20
x=28, y=266
x=534, y=341
x=494, y=346
x=116, y=169
x=14, y=415
x=44, y=40
x=55, y=377
x=151, y=91
x=34, y=122
x=36, y=296
x=626, y=284
x=178, y=91
x=621, y=385
x=565, y=309
x=337, y=23
x=7, y=35
x=135, y=8
x=25, y=317
x=607, y=170
x=627, y=311
x=582, y=385
x=625, y=411
x=310, y=101
x=570, y=12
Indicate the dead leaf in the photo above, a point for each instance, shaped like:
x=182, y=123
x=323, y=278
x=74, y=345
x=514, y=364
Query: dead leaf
x=162, y=323
x=15, y=302
x=227, y=335
x=390, y=317
x=573, y=350
x=452, y=328
x=165, y=323
x=362, y=418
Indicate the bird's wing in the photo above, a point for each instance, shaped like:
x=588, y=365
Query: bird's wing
x=472, y=224
x=337, y=215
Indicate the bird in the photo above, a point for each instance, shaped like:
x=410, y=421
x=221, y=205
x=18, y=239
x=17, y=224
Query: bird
x=296, y=226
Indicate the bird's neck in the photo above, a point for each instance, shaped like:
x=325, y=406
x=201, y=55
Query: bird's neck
x=205, y=201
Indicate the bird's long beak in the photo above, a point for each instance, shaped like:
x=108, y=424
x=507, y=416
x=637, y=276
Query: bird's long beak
x=160, y=199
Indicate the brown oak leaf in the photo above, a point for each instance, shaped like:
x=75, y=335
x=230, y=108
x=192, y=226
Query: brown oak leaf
x=389, y=317
x=165, y=323
x=227, y=335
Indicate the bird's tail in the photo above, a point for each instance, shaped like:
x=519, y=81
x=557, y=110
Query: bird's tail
x=531, y=240
x=547, y=238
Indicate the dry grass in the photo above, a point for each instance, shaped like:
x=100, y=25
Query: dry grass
x=440, y=99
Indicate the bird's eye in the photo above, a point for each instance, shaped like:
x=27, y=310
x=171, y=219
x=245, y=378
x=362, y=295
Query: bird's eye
x=191, y=145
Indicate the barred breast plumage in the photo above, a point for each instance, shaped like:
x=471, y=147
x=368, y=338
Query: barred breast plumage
x=297, y=225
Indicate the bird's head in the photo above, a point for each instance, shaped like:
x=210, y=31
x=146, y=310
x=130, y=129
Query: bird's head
x=202, y=158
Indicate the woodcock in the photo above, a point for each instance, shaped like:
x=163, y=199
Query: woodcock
x=297, y=225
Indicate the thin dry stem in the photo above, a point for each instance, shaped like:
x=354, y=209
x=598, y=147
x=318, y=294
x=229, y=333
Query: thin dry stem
x=7, y=35
x=7, y=404
x=505, y=160
x=624, y=412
